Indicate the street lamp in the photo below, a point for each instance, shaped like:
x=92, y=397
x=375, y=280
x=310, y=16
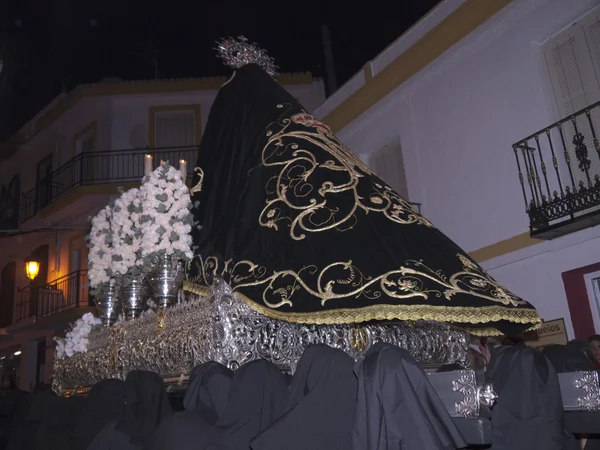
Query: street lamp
x=32, y=268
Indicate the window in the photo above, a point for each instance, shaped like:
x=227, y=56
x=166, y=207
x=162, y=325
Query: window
x=176, y=134
x=573, y=61
x=388, y=164
x=10, y=365
x=175, y=129
x=592, y=282
x=43, y=191
x=9, y=204
x=87, y=168
x=7, y=293
x=86, y=143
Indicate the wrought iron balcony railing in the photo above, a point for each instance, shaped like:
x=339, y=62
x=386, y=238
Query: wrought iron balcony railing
x=69, y=291
x=101, y=167
x=559, y=172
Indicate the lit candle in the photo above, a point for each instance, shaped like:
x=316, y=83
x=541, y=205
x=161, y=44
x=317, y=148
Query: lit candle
x=147, y=164
x=183, y=168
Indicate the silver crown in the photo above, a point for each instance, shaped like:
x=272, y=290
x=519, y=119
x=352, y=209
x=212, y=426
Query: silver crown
x=237, y=52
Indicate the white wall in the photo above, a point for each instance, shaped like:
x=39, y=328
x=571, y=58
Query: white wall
x=534, y=273
x=127, y=111
x=457, y=120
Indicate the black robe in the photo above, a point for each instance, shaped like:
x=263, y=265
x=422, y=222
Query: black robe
x=147, y=405
x=567, y=358
x=12, y=403
x=208, y=390
x=321, y=407
x=258, y=396
x=24, y=434
x=397, y=406
x=205, y=400
x=307, y=233
x=529, y=412
x=55, y=429
x=104, y=403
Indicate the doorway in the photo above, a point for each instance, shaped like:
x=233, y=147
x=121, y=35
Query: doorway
x=44, y=192
x=74, y=285
x=7, y=293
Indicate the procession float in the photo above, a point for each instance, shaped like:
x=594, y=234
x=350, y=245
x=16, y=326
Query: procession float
x=284, y=239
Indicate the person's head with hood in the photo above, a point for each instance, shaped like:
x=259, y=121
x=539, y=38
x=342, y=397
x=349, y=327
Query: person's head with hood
x=321, y=405
x=146, y=406
x=208, y=390
x=258, y=393
x=205, y=401
x=104, y=403
x=583, y=346
x=397, y=404
x=595, y=344
x=513, y=340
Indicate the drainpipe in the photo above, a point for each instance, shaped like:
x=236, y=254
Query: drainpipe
x=57, y=254
x=330, y=78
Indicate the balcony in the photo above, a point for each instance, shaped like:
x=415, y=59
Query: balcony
x=64, y=293
x=559, y=173
x=99, y=168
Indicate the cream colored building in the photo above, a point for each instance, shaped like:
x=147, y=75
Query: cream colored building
x=60, y=169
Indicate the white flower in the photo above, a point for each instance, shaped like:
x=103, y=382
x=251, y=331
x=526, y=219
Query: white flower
x=76, y=340
x=101, y=249
x=166, y=214
x=127, y=232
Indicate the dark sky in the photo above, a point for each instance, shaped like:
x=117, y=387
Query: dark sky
x=48, y=44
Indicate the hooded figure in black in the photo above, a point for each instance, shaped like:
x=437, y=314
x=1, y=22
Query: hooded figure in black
x=305, y=232
x=258, y=396
x=205, y=401
x=321, y=407
x=24, y=435
x=398, y=407
x=146, y=406
x=12, y=403
x=55, y=429
x=104, y=403
x=568, y=358
x=528, y=413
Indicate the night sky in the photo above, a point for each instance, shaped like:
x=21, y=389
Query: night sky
x=50, y=45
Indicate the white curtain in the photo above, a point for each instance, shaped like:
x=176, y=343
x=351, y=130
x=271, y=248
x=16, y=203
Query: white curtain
x=388, y=164
x=175, y=129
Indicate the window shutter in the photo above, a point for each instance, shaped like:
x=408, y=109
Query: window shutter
x=573, y=63
x=591, y=27
x=388, y=164
x=87, y=143
x=175, y=129
x=175, y=136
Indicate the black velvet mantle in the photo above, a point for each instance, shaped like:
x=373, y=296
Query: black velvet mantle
x=305, y=232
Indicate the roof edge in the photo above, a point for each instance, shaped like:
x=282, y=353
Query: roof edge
x=58, y=106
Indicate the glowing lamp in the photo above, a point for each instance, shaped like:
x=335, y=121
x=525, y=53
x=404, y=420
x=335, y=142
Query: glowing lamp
x=32, y=268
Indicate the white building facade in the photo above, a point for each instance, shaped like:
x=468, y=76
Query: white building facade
x=442, y=113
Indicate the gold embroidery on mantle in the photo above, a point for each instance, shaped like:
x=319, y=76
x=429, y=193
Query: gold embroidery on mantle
x=342, y=280
x=450, y=314
x=302, y=196
x=198, y=186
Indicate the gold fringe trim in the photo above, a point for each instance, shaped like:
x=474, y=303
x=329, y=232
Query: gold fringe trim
x=452, y=314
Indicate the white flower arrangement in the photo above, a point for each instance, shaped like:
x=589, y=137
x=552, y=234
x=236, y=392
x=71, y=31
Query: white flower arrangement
x=100, y=244
x=166, y=220
x=127, y=233
x=142, y=224
x=76, y=340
